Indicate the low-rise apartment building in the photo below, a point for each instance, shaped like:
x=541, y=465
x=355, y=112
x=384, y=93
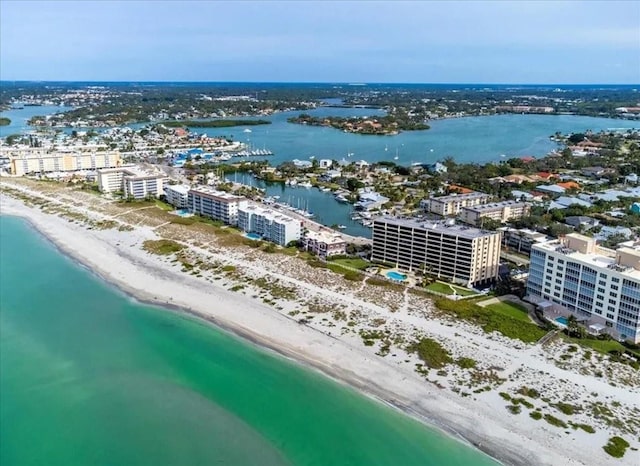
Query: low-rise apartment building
x=43, y=162
x=459, y=253
x=270, y=225
x=599, y=286
x=131, y=182
x=521, y=240
x=451, y=205
x=177, y=195
x=218, y=205
x=500, y=211
x=324, y=244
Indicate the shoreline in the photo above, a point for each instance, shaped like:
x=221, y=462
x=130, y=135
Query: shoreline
x=479, y=421
x=349, y=380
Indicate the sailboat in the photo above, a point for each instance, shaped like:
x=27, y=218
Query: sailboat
x=386, y=148
x=396, y=157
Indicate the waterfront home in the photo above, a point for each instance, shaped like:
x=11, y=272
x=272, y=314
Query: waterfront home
x=370, y=200
x=324, y=244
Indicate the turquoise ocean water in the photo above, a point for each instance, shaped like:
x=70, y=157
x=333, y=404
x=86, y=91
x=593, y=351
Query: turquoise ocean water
x=90, y=377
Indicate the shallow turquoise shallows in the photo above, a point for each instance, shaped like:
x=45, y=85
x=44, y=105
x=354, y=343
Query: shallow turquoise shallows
x=90, y=377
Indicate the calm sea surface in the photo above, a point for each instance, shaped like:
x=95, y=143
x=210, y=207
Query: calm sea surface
x=90, y=377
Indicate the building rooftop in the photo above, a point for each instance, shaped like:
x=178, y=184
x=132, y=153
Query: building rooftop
x=270, y=214
x=453, y=197
x=495, y=206
x=325, y=237
x=179, y=188
x=625, y=260
x=210, y=192
x=447, y=227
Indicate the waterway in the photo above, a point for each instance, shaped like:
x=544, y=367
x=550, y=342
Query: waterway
x=20, y=116
x=90, y=376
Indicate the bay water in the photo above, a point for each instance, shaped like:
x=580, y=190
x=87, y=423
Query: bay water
x=90, y=376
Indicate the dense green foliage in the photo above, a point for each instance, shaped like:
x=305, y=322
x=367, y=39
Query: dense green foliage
x=616, y=447
x=431, y=352
x=5, y=121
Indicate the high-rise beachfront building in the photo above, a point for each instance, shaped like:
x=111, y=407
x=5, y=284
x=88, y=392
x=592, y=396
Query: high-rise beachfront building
x=272, y=226
x=46, y=162
x=131, y=182
x=177, y=195
x=459, y=253
x=572, y=275
x=218, y=205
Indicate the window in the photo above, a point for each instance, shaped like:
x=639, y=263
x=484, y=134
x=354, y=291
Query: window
x=614, y=287
x=615, y=280
x=609, y=316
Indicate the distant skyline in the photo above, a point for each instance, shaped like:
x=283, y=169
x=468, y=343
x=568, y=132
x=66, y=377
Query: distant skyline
x=566, y=42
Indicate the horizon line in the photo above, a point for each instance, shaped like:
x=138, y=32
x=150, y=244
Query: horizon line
x=348, y=83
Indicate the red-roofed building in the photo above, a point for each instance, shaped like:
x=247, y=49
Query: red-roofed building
x=528, y=159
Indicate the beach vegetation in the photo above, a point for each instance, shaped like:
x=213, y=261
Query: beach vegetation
x=509, y=309
x=162, y=247
x=530, y=392
x=586, y=427
x=490, y=321
x=514, y=409
x=566, y=408
x=466, y=363
x=5, y=121
x=537, y=415
x=554, y=421
x=616, y=447
x=430, y=352
x=354, y=263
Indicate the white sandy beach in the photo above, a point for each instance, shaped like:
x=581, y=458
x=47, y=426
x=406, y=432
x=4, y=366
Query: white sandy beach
x=480, y=418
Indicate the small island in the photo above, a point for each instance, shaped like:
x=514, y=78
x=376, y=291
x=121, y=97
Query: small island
x=5, y=121
x=381, y=126
x=214, y=123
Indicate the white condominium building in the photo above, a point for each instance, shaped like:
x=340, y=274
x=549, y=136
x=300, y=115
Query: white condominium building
x=131, y=182
x=459, y=253
x=177, y=195
x=271, y=225
x=451, y=205
x=598, y=285
x=42, y=162
x=500, y=211
x=324, y=244
x=218, y=205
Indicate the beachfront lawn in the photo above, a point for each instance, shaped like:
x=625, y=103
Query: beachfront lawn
x=510, y=309
x=354, y=263
x=491, y=321
x=445, y=288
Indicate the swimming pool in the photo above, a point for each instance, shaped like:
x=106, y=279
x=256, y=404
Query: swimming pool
x=253, y=236
x=397, y=276
x=562, y=320
x=183, y=212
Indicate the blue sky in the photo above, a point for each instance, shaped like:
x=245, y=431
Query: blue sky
x=330, y=41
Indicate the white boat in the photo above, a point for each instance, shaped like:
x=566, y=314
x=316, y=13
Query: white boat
x=342, y=227
x=305, y=184
x=247, y=130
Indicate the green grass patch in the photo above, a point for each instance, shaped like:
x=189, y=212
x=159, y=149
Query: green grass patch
x=616, y=447
x=164, y=206
x=510, y=310
x=431, y=352
x=162, y=247
x=554, y=421
x=566, y=408
x=466, y=363
x=491, y=321
x=537, y=415
x=229, y=268
x=530, y=392
x=354, y=263
x=586, y=427
x=445, y=288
